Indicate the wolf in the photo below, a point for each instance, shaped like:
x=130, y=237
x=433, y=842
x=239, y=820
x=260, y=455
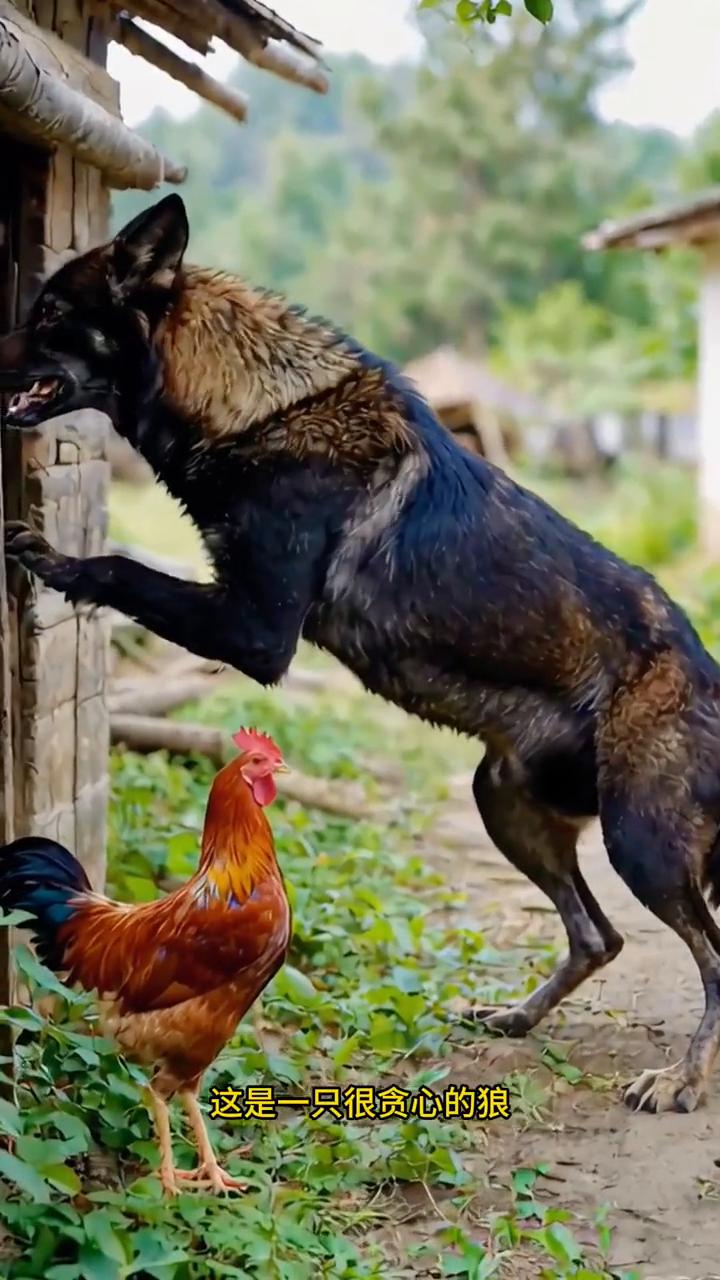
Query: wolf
x=335, y=507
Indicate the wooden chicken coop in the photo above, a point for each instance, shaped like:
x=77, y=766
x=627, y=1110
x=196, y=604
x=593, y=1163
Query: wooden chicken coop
x=63, y=146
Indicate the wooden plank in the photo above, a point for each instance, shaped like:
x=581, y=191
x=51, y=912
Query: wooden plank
x=181, y=26
x=7, y=799
x=58, y=229
x=59, y=57
x=250, y=38
x=69, y=23
x=38, y=99
x=190, y=74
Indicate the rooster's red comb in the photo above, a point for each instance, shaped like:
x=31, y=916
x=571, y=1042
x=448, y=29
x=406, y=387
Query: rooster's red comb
x=253, y=740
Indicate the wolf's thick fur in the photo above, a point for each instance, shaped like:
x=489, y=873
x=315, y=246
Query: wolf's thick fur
x=335, y=507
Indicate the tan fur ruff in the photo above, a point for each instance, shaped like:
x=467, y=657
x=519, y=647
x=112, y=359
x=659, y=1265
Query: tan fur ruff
x=235, y=357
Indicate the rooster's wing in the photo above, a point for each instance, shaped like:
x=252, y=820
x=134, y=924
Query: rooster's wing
x=159, y=954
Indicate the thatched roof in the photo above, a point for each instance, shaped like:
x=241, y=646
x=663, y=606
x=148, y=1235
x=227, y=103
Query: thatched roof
x=694, y=220
x=53, y=95
x=449, y=380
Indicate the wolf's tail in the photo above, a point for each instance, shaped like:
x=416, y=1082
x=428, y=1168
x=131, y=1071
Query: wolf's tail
x=43, y=878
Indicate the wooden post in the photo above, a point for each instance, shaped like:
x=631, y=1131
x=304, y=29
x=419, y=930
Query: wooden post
x=51, y=206
x=709, y=403
x=8, y=276
x=35, y=94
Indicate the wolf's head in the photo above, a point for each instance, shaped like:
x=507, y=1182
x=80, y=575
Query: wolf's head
x=89, y=332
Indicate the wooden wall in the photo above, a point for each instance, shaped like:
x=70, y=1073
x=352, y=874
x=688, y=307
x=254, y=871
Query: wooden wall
x=51, y=208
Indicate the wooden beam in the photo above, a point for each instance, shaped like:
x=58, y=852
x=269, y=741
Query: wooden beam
x=36, y=100
x=7, y=794
x=193, y=77
x=276, y=58
x=182, y=26
x=247, y=38
x=62, y=59
x=211, y=15
x=280, y=29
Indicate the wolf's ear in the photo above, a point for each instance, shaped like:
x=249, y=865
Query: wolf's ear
x=149, y=250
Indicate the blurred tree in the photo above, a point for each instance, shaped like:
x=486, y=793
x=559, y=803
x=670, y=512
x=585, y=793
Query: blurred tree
x=497, y=163
x=466, y=12
x=418, y=204
x=571, y=355
x=699, y=167
x=229, y=164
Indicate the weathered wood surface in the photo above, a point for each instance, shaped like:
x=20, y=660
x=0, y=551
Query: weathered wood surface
x=58, y=56
x=38, y=98
x=272, y=44
x=53, y=207
x=7, y=798
x=143, y=45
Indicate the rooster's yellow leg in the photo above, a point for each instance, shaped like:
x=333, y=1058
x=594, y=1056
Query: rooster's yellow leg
x=208, y=1172
x=161, y=1117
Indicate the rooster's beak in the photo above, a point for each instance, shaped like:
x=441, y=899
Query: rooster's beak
x=282, y=768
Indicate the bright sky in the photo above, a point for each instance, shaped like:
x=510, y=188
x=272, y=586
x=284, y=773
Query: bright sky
x=675, y=82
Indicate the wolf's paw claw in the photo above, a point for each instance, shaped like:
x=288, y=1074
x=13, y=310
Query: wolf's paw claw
x=510, y=1021
x=667, y=1089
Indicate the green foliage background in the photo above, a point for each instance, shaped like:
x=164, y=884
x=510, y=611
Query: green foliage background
x=446, y=201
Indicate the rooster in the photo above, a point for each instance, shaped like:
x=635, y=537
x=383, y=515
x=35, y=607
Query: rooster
x=174, y=977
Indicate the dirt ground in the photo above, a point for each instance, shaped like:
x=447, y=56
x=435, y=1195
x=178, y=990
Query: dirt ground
x=657, y=1172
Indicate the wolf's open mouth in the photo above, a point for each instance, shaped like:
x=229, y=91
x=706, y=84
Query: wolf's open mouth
x=42, y=390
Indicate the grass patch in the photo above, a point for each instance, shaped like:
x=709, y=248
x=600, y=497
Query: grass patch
x=146, y=516
x=379, y=953
x=646, y=511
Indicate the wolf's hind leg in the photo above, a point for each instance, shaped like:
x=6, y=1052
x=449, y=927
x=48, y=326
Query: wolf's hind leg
x=654, y=849
x=542, y=843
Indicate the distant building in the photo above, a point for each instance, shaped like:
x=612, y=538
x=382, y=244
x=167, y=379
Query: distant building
x=485, y=414
x=692, y=222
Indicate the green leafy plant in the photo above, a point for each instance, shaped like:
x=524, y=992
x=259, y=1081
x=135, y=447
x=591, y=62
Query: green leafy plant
x=469, y=11
x=380, y=953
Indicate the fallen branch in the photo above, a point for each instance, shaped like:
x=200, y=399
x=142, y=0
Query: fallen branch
x=150, y=733
x=151, y=697
x=189, y=664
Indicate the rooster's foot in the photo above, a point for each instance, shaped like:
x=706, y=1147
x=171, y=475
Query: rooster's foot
x=211, y=1176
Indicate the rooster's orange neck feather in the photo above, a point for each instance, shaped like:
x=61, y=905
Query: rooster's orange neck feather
x=237, y=843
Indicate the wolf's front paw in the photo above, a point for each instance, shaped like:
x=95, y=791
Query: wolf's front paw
x=666, y=1089
x=509, y=1020
x=35, y=554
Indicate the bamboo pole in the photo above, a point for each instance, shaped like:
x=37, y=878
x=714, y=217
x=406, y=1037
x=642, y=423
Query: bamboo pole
x=277, y=59
x=145, y=46
x=176, y=24
x=260, y=42
x=45, y=107
x=268, y=25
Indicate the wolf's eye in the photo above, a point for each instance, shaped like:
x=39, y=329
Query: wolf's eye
x=49, y=311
